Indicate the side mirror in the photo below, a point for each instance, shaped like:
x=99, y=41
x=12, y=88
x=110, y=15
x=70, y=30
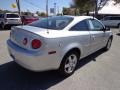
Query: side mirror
x=106, y=29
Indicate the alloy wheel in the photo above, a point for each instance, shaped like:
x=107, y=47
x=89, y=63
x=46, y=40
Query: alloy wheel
x=109, y=44
x=70, y=63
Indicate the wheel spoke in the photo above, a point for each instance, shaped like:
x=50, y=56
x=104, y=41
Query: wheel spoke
x=67, y=66
x=70, y=59
x=70, y=69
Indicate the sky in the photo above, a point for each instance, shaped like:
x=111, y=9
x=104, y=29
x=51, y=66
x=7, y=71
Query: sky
x=34, y=5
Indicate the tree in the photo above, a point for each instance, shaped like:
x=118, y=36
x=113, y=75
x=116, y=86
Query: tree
x=89, y=5
x=41, y=14
x=65, y=11
x=83, y=5
x=117, y=1
x=5, y=11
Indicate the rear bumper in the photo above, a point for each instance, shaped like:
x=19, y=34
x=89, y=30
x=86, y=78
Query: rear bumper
x=13, y=23
x=31, y=60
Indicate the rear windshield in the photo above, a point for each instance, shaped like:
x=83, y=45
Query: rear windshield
x=12, y=16
x=55, y=23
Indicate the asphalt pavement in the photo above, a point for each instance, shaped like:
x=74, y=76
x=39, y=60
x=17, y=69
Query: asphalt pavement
x=99, y=71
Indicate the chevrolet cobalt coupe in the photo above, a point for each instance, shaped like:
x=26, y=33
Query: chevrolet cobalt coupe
x=57, y=43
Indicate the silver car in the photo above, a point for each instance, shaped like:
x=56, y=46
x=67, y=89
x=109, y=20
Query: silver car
x=57, y=43
x=9, y=19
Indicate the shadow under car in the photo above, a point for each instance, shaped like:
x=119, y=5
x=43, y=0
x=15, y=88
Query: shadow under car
x=12, y=76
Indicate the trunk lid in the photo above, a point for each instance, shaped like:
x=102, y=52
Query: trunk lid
x=19, y=33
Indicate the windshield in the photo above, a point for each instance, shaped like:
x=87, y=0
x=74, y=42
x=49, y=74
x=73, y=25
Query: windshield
x=55, y=23
x=12, y=16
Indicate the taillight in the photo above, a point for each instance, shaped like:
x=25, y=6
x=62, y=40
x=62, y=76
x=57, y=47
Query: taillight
x=25, y=41
x=36, y=44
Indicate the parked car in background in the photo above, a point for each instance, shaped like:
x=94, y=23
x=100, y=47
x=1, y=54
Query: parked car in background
x=9, y=19
x=111, y=21
x=28, y=19
x=57, y=43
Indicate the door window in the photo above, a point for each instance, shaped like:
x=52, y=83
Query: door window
x=97, y=26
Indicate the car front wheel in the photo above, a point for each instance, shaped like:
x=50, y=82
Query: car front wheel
x=107, y=47
x=69, y=64
x=119, y=27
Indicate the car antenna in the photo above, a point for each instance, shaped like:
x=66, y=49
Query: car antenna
x=47, y=25
x=94, y=14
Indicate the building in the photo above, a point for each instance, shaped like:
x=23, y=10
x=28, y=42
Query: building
x=110, y=9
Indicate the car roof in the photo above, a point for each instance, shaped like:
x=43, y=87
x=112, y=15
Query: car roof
x=80, y=16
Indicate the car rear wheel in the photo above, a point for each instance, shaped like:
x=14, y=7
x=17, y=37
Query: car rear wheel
x=69, y=63
x=3, y=26
x=107, y=47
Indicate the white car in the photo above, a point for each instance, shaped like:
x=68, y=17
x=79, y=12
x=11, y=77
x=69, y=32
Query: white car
x=9, y=19
x=57, y=43
x=111, y=21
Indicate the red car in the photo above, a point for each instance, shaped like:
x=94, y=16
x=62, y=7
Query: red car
x=28, y=19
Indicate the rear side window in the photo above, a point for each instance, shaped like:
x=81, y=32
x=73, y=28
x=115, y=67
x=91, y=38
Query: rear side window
x=12, y=16
x=81, y=26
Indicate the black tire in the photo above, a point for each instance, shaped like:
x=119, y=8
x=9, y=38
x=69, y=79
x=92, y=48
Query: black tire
x=62, y=69
x=3, y=26
x=108, y=46
x=119, y=27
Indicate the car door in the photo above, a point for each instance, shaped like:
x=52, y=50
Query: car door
x=106, y=21
x=109, y=21
x=116, y=21
x=113, y=21
x=82, y=36
x=97, y=35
